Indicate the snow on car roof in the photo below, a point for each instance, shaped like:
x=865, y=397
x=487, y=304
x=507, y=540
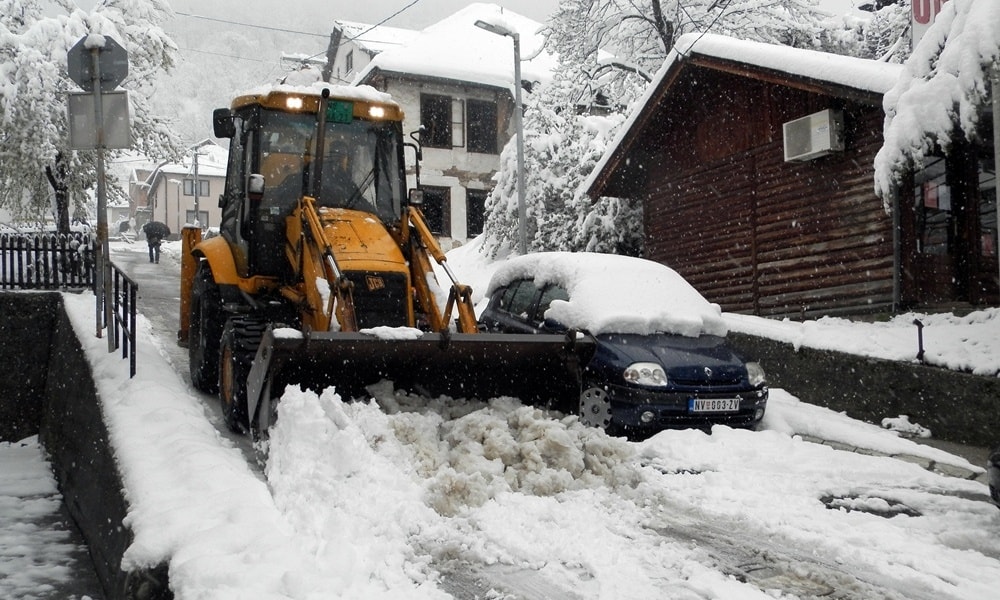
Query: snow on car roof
x=616, y=294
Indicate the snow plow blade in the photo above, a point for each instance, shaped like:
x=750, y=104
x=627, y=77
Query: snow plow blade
x=538, y=369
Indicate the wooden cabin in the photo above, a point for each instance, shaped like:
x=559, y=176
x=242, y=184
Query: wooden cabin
x=755, y=166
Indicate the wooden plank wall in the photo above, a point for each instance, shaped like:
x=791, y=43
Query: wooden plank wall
x=759, y=235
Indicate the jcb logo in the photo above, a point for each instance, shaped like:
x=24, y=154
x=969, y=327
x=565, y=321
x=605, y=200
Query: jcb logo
x=374, y=283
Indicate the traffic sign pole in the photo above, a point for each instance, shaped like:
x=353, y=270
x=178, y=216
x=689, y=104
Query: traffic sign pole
x=104, y=263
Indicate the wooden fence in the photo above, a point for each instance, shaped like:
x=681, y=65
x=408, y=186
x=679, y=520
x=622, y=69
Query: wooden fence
x=46, y=261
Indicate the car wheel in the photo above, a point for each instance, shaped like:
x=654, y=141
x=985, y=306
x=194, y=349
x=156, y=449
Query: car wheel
x=595, y=406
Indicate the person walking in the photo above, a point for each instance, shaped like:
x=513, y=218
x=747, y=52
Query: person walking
x=155, y=232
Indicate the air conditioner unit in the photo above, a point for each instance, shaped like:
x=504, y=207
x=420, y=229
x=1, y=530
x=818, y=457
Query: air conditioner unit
x=815, y=135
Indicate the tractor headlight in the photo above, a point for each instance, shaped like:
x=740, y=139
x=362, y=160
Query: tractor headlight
x=755, y=374
x=645, y=373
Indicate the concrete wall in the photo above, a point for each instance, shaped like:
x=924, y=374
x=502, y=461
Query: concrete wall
x=56, y=397
x=956, y=407
x=26, y=321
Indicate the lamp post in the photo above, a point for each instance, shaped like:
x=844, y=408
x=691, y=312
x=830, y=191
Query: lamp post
x=501, y=29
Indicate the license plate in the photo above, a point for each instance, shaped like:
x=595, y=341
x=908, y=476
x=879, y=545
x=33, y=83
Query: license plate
x=703, y=405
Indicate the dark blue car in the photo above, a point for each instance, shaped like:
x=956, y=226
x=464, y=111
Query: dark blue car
x=643, y=379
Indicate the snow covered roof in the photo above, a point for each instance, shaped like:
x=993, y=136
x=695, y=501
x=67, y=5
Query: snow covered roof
x=610, y=293
x=456, y=49
x=374, y=38
x=943, y=87
x=841, y=74
x=857, y=73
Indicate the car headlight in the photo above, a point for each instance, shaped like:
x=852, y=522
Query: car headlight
x=645, y=373
x=755, y=373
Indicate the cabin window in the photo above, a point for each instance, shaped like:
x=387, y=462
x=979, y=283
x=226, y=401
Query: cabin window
x=988, y=209
x=933, y=204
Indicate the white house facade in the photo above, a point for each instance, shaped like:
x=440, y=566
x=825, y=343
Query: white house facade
x=455, y=83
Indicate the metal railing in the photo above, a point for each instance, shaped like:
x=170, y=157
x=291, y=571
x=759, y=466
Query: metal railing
x=46, y=261
x=50, y=261
x=124, y=292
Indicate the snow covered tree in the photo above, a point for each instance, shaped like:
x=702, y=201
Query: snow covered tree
x=563, y=142
x=944, y=94
x=561, y=149
x=36, y=162
x=882, y=35
x=618, y=43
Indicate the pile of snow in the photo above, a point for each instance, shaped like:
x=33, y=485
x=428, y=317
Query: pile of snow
x=969, y=343
x=37, y=552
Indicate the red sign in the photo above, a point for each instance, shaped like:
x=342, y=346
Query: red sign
x=924, y=11
x=923, y=14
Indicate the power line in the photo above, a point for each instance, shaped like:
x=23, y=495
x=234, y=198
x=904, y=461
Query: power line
x=382, y=22
x=224, y=55
x=322, y=35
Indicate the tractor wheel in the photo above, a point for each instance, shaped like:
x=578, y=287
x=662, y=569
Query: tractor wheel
x=240, y=340
x=595, y=406
x=205, y=330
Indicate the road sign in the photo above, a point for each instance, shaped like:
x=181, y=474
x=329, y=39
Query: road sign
x=112, y=59
x=114, y=117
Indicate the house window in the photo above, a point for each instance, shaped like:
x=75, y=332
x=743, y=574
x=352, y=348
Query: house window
x=202, y=187
x=482, y=126
x=475, y=211
x=202, y=217
x=435, y=118
x=349, y=62
x=437, y=209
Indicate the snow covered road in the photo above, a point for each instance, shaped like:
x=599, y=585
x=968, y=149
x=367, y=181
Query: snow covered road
x=409, y=497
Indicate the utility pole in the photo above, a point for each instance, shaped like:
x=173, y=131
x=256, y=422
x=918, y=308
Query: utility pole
x=995, y=84
x=197, y=213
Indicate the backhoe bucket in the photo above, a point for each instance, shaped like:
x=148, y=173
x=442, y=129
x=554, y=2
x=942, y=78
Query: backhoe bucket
x=538, y=369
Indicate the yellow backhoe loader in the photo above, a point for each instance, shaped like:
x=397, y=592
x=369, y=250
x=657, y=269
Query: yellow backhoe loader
x=322, y=274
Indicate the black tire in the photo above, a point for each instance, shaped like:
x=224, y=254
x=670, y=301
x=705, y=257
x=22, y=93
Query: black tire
x=240, y=340
x=205, y=330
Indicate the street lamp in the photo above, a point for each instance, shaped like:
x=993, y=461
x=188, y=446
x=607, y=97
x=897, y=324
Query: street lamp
x=501, y=29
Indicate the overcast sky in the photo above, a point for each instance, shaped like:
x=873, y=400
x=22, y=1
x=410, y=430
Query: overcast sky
x=313, y=15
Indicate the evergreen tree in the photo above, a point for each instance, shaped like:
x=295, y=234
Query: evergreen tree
x=36, y=162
